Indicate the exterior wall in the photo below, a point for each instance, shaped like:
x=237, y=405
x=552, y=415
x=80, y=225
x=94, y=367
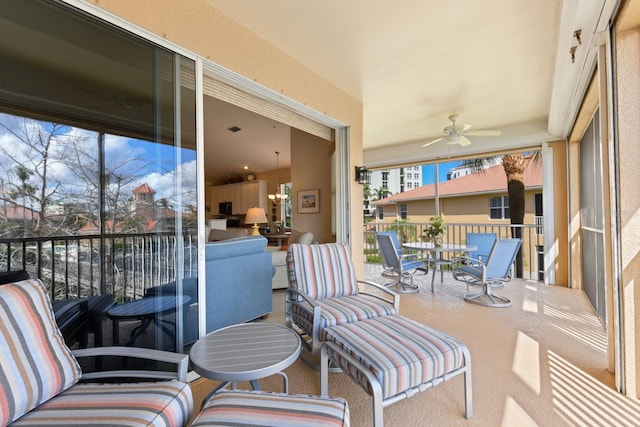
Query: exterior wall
x=627, y=207
x=196, y=25
x=472, y=209
x=393, y=182
x=628, y=91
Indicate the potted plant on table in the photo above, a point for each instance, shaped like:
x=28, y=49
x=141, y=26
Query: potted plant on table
x=435, y=230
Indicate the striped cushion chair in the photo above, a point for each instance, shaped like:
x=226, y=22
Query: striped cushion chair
x=257, y=408
x=324, y=291
x=39, y=374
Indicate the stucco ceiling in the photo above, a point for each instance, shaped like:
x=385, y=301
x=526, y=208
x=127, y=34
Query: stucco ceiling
x=498, y=64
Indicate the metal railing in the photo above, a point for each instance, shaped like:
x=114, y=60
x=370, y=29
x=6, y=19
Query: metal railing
x=126, y=265
x=122, y=265
x=531, y=235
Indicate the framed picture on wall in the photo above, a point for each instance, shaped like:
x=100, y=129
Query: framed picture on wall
x=309, y=201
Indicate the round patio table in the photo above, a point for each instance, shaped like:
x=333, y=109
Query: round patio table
x=245, y=352
x=435, y=252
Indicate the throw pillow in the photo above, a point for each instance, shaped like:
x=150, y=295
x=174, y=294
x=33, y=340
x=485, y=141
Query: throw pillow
x=304, y=238
x=36, y=364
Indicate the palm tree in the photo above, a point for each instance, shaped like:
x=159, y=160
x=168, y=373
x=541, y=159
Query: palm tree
x=381, y=193
x=514, y=167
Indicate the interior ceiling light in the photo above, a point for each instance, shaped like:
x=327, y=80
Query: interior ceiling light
x=277, y=197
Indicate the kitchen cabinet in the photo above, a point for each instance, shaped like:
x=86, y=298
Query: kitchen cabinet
x=242, y=195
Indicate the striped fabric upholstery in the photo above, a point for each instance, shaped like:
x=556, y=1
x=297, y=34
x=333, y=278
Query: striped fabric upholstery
x=336, y=311
x=35, y=364
x=322, y=271
x=255, y=408
x=400, y=352
x=157, y=404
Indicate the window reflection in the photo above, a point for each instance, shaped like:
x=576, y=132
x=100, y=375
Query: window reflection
x=98, y=189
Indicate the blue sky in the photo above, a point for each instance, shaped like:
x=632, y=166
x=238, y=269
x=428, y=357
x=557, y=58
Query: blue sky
x=443, y=168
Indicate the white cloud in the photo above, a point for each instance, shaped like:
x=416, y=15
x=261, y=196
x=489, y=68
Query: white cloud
x=165, y=185
x=151, y=163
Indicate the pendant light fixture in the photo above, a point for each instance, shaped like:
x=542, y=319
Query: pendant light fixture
x=277, y=198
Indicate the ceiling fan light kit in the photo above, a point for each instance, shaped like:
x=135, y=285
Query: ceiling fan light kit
x=457, y=134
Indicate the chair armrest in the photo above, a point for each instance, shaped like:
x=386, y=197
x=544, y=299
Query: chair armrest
x=380, y=292
x=460, y=259
x=180, y=360
x=72, y=317
x=307, y=308
x=412, y=257
x=472, y=267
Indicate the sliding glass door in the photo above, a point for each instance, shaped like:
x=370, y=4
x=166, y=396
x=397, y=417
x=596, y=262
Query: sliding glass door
x=98, y=169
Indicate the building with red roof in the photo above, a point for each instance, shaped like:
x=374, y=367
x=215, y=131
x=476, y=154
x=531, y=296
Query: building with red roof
x=479, y=197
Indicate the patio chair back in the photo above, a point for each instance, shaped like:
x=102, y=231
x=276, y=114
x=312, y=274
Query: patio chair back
x=394, y=239
x=484, y=243
x=501, y=258
x=322, y=271
x=390, y=253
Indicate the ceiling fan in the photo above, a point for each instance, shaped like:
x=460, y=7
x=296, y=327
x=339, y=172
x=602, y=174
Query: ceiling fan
x=457, y=134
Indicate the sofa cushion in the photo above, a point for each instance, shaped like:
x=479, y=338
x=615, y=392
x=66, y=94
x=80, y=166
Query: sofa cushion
x=158, y=404
x=36, y=364
x=236, y=247
x=230, y=233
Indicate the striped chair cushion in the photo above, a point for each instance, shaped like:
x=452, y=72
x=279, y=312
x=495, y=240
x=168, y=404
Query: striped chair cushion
x=401, y=353
x=157, y=404
x=336, y=311
x=255, y=408
x=322, y=271
x=35, y=364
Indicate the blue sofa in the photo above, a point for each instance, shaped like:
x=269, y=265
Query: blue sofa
x=238, y=286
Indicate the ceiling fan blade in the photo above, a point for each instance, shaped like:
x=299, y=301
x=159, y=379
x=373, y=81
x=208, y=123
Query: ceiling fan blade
x=464, y=128
x=432, y=142
x=463, y=141
x=484, y=133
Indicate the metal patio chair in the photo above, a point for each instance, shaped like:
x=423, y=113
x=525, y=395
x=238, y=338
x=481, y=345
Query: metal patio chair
x=404, y=265
x=324, y=291
x=489, y=274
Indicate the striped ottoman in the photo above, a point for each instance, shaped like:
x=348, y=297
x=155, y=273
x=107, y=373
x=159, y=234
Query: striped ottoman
x=258, y=408
x=393, y=358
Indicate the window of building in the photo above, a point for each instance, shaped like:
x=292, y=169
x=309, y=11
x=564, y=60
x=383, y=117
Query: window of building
x=403, y=211
x=499, y=207
x=380, y=212
x=539, y=218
